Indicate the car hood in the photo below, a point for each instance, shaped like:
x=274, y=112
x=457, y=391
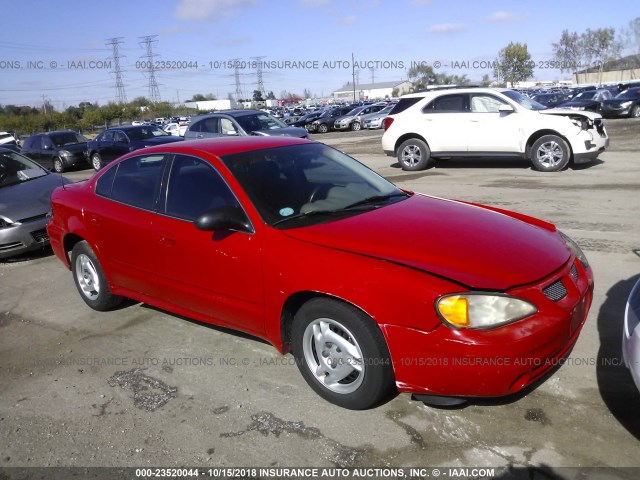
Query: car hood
x=75, y=147
x=477, y=246
x=578, y=103
x=283, y=132
x=573, y=113
x=29, y=199
x=617, y=101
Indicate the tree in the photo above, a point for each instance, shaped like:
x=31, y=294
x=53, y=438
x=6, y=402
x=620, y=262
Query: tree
x=421, y=76
x=257, y=96
x=486, y=80
x=198, y=97
x=568, y=51
x=513, y=64
x=306, y=93
x=271, y=96
x=632, y=36
x=600, y=46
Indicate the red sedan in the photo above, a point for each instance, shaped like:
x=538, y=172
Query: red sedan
x=368, y=286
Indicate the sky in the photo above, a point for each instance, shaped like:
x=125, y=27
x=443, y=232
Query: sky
x=58, y=50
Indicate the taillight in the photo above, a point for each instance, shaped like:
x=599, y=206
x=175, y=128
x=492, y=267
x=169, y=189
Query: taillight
x=387, y=123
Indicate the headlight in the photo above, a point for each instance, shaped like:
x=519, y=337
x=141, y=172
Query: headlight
x=5, y=222
x=575, y=249
x=482, y=310
x=626, y=104
x=65, y=153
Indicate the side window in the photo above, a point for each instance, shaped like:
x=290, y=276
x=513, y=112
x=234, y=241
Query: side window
x=210, y=125
x=403, y=104
x=137, y=181
x=107, y=136
x=482, y=103
x=120, y=137
x=226, y=126
x=447, y=104
x=194, y=127
x=45, y=142
x=105, y=182
x=194, y=187
x=29, y=143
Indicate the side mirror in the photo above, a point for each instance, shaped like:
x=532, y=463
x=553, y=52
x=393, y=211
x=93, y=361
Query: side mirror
x=505, y=109
x=223, y=218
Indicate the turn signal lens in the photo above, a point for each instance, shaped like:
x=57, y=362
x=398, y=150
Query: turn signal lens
x=479, y=310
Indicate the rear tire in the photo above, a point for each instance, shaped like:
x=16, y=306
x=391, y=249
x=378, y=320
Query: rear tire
x=342, y=354
x=550, y=153
x=90, y=280
x=414, y=154
x=96, y=161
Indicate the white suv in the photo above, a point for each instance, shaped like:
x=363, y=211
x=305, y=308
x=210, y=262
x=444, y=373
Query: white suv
x=488, y=122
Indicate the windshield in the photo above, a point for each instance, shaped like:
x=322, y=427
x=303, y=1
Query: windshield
x=16, y=168
x=144, y=133
x=259, y=121
x=66, y=138
x=585, y=95
x=630, y=93
x=300, y=185
x=355, y=111
x=386, y=109
x=523, y=100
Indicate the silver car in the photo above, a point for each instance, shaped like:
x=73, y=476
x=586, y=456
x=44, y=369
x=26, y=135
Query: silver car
x=25, y=203
x=240, y=123
x=376, y=120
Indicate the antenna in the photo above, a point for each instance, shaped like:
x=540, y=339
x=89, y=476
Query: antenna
x=148, y=41
x=121, y=97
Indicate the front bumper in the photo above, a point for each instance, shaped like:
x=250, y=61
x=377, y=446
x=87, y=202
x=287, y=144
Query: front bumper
x=589, y=144
x=496, y=362
x=26, y=237
x=631, y=334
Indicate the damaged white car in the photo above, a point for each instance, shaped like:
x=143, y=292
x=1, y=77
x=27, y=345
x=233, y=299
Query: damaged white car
x=489, y=122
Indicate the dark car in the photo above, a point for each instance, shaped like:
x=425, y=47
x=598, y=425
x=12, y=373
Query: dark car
x=590, y=100
x=58, y=151
x=550, y=100
x=306, y=120
x=625, y=104
x=25, y=203
x=240, y=123
x=325, y=122
x=114, y=142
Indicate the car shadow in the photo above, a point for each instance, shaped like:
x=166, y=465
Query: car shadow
x=615, y=383
x=28, y=256
x=453, y=163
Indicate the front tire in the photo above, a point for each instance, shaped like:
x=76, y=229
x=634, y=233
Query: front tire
x=356, y=126
x=90, y=280
x=414, y=154
x=96, y=161
x=58, y=165
x=341, y=353
x=323, y=128
x=550, y=153
x=635, y=112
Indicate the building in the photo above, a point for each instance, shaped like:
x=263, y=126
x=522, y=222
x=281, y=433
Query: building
x=372, y=91
x=211, y=105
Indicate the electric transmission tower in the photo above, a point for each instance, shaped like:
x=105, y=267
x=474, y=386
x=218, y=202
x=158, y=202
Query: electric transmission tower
x=121, y=97
x=148, y=42
x=236, y=63
x=259, y=73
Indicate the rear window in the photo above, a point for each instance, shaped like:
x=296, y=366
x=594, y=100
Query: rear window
x=403, y=104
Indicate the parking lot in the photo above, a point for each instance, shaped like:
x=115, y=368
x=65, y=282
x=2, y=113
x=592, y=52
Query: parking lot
x=141, y=387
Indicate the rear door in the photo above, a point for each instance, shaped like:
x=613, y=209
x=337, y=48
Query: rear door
x=444, y=121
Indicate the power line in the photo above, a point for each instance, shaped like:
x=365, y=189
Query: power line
x=115, y=42
x=154, y=91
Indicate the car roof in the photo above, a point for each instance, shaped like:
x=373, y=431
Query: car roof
x=227, y=145
x=129, y=127
x=231, y=113
x=51, y=133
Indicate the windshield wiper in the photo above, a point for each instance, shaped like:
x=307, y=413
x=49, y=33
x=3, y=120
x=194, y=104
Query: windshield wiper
x=308, y=214
x=374, y=199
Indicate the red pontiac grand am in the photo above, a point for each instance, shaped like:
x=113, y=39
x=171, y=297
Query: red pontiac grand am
x=369, y=286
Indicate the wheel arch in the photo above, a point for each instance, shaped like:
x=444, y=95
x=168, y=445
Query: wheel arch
x=295, y=301
x=541, y=133
x=70, y=240
x=405, y=137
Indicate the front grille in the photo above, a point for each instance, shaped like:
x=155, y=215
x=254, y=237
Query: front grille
x=556, y=291
x=574, y=272
x=40, y=235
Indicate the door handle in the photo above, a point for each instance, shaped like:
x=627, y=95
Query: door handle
x=95, y=220
x=200, y=135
